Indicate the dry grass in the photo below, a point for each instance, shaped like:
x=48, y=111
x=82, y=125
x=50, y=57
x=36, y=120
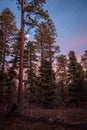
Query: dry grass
x=73, y=114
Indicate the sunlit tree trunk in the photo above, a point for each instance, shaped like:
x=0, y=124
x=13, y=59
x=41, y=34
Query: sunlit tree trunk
x=20, y=92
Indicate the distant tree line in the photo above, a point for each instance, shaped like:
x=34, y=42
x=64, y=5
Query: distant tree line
x=41, y=83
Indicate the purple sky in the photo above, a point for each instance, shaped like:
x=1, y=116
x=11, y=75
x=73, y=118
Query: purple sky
x=70, y=19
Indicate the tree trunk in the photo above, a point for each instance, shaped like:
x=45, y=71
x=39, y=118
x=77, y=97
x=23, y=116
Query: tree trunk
x=20, y=91
x=50, y=59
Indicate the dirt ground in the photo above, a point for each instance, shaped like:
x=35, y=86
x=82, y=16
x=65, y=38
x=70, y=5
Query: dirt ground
x=44, y=118
x=69, y=113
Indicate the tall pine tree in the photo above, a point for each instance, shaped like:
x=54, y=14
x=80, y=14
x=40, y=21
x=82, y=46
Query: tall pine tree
x=30, y=73
x=61, y=75
x=45, y=35
x=76, y=78
x=8, y=29
x=30, y=12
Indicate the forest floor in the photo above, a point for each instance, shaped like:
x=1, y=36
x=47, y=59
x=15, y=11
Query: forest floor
x=39, y=118
x=69, y=113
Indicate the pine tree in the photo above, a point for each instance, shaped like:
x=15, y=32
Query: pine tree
x=45, y=35
x=46, y=88
x=8, y=29
x=30, y=12
x=76, y=78
x=84, y=64
x=30, y=73
x=61, y=74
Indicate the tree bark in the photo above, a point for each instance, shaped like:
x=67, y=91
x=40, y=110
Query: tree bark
x=20, y=91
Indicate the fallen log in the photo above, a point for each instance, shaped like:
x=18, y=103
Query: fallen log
x=70, y=124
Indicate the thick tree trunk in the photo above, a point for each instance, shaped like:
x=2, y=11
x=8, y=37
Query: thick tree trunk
x=20, y=92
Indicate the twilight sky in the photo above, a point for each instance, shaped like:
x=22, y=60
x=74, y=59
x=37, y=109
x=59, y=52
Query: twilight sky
x=70, y=19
